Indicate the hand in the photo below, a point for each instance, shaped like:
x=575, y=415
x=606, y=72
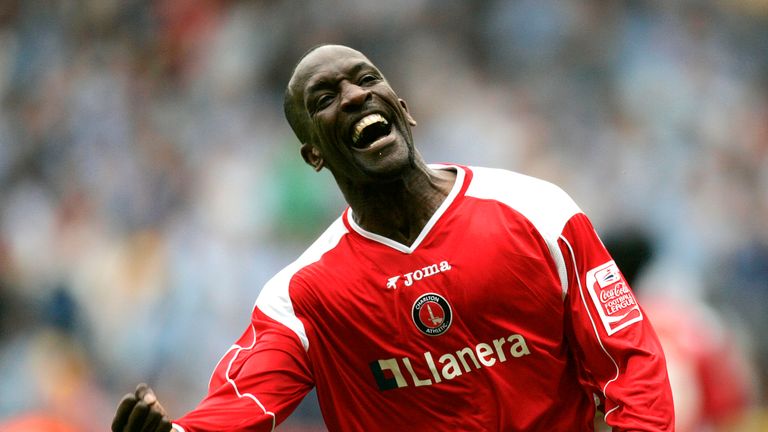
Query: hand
x=141, y=412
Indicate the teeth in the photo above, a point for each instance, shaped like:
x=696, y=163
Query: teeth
x=365, y=122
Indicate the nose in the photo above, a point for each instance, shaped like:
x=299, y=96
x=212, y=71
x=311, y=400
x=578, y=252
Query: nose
x=353, y=96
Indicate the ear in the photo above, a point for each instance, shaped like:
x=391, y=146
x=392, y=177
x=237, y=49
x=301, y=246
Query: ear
x=408, y=116
x=312, y=156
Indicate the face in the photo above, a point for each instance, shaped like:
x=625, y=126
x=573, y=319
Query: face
x=356, y=125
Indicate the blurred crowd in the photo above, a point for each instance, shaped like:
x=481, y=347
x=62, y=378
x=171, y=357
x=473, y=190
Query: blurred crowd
x=149, y=185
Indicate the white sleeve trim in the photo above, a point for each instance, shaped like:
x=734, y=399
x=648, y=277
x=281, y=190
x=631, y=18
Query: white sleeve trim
x=544, y=204
x=594, y=327
x=177, y=427
x=274, y=299
x=562, y=273
x=234, y=384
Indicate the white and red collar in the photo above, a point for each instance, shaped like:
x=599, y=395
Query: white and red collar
x=458, y=186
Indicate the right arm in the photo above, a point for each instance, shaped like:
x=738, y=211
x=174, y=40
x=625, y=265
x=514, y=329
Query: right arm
x=255, y=386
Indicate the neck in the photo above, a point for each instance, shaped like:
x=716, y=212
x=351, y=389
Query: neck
x=400, y=209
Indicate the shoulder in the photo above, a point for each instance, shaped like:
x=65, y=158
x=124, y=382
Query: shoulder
x=274, y=299
x=545, y=204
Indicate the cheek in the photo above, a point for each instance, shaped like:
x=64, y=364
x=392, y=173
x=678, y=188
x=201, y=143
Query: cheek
x=326, y=130
x=332, y=149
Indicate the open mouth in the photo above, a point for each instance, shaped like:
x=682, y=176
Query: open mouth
x=369, y=129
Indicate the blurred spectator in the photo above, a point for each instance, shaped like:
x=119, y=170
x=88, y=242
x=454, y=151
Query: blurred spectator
x=37, y=423
x=146, y=170
x=712, y=377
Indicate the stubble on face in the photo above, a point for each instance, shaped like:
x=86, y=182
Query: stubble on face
x=329, y=68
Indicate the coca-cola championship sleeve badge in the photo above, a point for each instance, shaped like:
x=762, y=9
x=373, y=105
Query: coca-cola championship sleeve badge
x=614, y=301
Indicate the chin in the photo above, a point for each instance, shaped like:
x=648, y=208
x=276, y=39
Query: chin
x=390, y=168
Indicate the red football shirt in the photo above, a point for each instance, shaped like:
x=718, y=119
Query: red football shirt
x=505, y=314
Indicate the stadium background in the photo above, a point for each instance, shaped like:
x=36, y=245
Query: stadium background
x=149, y=185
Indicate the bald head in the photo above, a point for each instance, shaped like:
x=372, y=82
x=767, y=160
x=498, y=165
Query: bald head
x=308, y=64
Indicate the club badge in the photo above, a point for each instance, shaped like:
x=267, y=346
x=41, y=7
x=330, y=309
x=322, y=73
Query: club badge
x=432, y=314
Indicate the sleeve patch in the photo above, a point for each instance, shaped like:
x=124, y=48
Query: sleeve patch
x=614, y=301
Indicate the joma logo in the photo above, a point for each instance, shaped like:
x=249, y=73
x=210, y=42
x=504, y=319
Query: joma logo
x=417, y=275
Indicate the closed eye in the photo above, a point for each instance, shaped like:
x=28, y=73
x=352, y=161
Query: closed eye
x=323, y=101
x=367, y=79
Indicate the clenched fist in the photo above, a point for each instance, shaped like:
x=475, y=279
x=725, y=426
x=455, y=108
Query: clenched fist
x=141, y=412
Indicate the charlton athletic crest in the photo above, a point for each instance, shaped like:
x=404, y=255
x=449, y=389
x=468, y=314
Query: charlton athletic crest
x=432, y=314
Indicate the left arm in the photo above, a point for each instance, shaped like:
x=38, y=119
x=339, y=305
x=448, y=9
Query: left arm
x=619, y=355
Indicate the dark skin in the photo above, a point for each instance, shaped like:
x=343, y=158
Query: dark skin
x=391, y=190
x=140, y=411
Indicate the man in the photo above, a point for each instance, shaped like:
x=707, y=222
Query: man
x=445, y=297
